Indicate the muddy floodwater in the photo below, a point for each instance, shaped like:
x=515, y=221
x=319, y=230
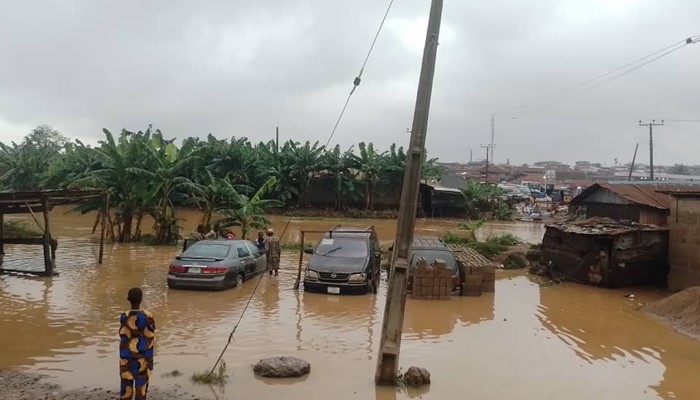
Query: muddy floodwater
x=524, y=342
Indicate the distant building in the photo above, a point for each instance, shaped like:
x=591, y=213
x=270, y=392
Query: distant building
x=642, y=203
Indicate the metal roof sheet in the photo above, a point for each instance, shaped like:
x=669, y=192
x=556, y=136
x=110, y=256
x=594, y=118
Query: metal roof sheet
x=651, y=195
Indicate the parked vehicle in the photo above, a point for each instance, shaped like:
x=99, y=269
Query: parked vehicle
x=346, y=260
x=215, y=264
x=433, y=248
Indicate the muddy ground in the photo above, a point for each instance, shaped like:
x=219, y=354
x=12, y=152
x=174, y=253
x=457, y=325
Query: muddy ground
x=681, y=310
x=17, y=385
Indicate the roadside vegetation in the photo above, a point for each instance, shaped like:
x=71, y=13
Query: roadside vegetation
x=148, y=175
x=19, y=229
x=483, y=200
x=489, y=248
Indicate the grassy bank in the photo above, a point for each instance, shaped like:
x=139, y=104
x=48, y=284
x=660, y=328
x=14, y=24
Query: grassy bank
x=489, y=248
x=19, y=229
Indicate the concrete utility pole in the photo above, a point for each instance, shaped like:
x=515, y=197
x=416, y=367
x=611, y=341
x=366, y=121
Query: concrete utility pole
x=488, y=148
x=392, y=325
x=493, y=134
x=651, y=126
x=634, y=158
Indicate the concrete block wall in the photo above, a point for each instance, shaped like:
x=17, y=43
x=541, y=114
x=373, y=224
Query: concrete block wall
x=684, y=244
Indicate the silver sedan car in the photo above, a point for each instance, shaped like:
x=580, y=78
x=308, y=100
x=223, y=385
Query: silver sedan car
x=216, y=264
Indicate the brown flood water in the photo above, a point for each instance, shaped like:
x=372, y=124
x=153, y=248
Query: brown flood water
x=524, y=342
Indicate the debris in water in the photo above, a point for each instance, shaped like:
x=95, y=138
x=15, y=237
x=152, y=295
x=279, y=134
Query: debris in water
x=282, y=367
x=629, y=296
x=217, y=377
x=415, y=376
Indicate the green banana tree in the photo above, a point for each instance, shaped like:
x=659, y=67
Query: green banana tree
x=248, y=212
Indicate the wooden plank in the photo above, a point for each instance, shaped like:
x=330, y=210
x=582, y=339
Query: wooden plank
x=23, y=209
x=19, y=271
x=23, y=241
x=2, y=233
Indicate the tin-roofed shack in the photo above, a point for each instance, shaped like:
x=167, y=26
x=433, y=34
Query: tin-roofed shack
x=607, y=253
x=642, y=203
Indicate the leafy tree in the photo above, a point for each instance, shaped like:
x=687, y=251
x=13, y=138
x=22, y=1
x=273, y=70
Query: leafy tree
x=304, y=162
x=249, y=212
x=214, y=194
x=371, y=165
x=679, y=169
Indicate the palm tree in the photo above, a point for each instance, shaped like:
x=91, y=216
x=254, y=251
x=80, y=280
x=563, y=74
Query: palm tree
x=371, y=166
x=249, y=212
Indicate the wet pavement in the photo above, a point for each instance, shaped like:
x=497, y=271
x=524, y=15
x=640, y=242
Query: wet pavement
x=568, y=341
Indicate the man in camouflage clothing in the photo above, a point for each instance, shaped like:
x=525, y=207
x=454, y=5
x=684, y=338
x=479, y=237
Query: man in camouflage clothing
x=273, y=251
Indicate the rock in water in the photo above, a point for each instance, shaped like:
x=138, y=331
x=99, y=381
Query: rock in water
x=416, y=376
x=282, y=367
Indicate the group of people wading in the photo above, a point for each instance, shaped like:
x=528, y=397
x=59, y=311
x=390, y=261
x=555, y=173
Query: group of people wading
x=270, y=245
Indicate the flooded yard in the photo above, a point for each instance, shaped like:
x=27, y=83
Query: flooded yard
x=568, y=341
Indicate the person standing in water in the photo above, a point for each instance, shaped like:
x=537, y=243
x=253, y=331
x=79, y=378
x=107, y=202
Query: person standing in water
x=273, y=251
x=260, y=242
x=136, y=342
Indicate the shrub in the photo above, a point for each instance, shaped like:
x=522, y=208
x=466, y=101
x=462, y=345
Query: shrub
x=515, y=261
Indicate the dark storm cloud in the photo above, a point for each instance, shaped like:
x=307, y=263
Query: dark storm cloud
x=241, y=68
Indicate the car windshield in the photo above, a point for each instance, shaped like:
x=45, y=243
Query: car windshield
x=342, y=248
x=431, y=255
x=206, y=251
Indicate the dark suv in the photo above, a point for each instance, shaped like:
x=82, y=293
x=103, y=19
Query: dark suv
x=346, y=260
x=433, y=248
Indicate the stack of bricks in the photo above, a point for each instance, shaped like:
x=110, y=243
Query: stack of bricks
x=478, y=274
x=432, y=282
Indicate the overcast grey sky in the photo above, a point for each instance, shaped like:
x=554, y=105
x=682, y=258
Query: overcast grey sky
x=243, y=67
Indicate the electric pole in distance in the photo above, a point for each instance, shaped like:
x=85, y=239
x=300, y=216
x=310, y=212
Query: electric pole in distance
x=651, y=126
x=489, y=148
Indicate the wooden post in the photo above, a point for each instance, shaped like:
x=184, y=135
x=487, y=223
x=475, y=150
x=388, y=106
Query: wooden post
x=103, y=222
x=301, y=262
x=2, y=236
x=48, y=263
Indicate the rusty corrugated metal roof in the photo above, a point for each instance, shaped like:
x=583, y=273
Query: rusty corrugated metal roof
x=599, y=226
x=650, y=195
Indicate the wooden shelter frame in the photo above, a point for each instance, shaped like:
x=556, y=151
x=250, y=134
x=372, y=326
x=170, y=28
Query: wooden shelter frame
x=34, y=203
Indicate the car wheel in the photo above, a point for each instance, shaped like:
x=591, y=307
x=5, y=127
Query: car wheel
x=370, y=287
x=239, y=280
x=375, y=283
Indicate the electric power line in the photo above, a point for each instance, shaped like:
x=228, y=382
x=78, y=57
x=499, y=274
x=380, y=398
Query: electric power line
x=358, y=79
x=599, y=80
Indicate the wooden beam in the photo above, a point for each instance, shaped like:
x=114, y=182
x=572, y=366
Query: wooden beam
x=23, y=241
x=22, y=209
x=19, y=271
x=48, y=262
